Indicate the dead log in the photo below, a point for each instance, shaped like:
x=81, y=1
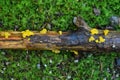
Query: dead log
x=76, y=40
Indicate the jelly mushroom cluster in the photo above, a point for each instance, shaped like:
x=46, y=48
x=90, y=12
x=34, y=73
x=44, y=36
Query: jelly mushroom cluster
x=27, y=33
x=100, y=38
x=5, y=34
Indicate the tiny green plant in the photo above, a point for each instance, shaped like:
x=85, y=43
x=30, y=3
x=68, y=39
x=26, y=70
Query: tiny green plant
x=32, y=15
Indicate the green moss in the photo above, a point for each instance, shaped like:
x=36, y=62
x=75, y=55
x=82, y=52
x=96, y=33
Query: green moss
x=33, y=14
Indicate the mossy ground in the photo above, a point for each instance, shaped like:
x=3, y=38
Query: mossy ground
x=58, y=15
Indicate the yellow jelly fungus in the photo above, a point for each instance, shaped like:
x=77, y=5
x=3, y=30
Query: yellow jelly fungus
x=106, y=32
x=91, y=39
x=60, y=32
x=97, y=41
x=43, y=31
x=27, y=33
x=6, y=34
x=101, y=39
x=94, y=31
x=56, y=51
x=75, y=52
x=28, y=38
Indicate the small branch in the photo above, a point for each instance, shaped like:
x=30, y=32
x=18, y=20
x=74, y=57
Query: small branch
x=78, y=40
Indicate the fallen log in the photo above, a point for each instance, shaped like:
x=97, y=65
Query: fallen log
x=76, y=40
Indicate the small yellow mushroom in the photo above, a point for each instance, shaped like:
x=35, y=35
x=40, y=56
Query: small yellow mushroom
x=106, y=32
x=60, y=32
x=75, y=52
x=94, y=31
x=6, y=34
x=56, y=51
x=27, y=33
x=97, y=41
x=43, y=31
x=91, y=39
x=28, y=38
x=24, y=35
x=101, y=39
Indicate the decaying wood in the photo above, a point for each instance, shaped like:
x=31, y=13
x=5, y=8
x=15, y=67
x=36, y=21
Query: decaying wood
x=76, y=40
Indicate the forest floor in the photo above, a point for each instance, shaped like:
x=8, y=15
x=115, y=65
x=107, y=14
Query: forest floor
x=57, y=15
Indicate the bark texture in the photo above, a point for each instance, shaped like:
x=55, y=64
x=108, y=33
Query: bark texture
x=76, y=40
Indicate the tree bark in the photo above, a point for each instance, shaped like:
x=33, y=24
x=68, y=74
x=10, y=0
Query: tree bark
x=76, y=40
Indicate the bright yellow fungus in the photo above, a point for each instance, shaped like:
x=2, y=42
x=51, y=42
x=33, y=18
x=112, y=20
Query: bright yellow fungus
x=91, y=39
x=97, y=41
x=27, y=33
x=43, y=31
x=28, y=38
x=106, y=32
x=94, y=31
x=6, y=34
x=56, y=51
x=60, y=32
x=101, y=39
x=75, y=52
